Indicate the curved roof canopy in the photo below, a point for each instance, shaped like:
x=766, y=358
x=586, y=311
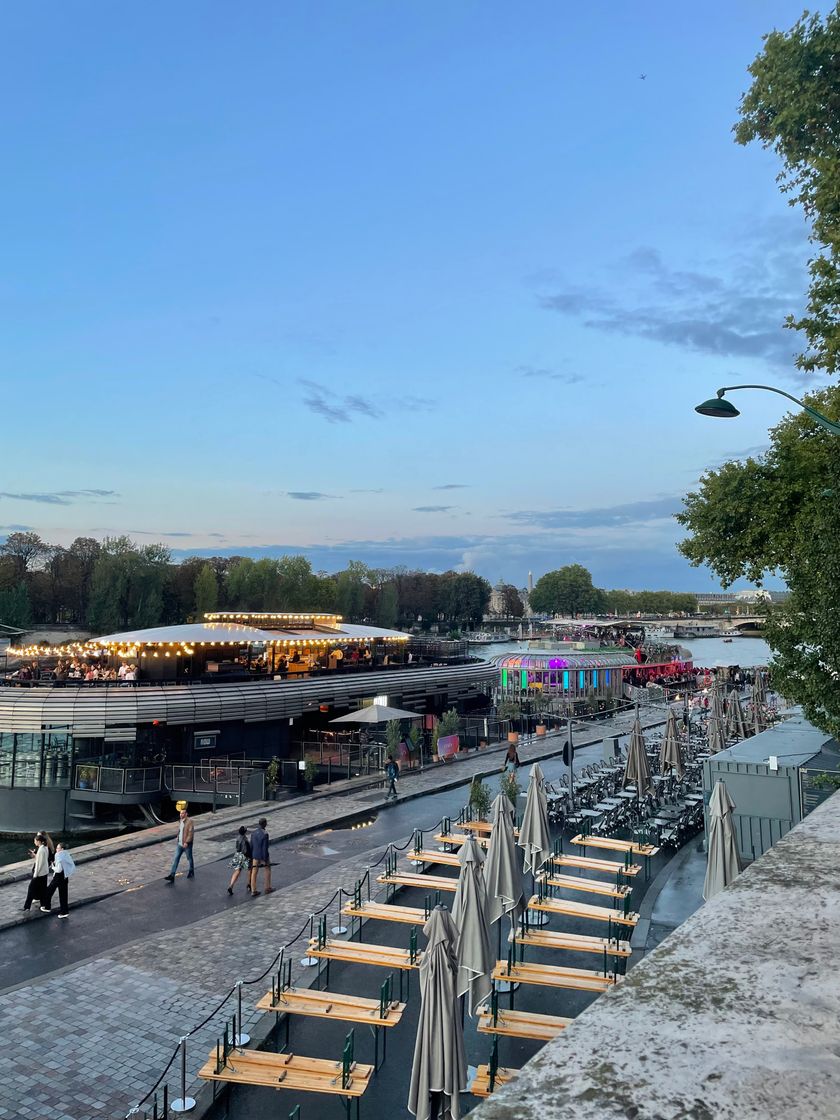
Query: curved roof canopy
x=222, y=633
x=567, y=659
x=190, y=633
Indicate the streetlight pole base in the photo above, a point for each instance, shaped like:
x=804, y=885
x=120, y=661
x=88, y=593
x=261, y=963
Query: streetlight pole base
x=182, y=1104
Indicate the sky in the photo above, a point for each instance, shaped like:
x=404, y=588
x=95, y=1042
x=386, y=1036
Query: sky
x=427, y=284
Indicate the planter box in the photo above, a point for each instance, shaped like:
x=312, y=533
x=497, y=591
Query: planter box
x=513, y=737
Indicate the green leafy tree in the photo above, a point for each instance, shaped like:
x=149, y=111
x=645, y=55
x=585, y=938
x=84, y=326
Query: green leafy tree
x=511, y=602
x=15, y=607
x=206, y=591
x=793, y=107
x=350, y=591
x=779, y=513
x=567, y=591
x=25, y=550
x=465, y=597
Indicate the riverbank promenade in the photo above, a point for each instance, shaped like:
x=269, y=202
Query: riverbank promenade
x=104, y=997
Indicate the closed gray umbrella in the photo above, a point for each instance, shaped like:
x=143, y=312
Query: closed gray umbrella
x=759, y=692
x=759, y=720
x=376, y=713
x=723, y=859
x=503, y=867
x=469, y=913
x=736, y=727
x=714, y=735
x=534, y=835
x=718, y=694
x=637, y=771
x=670, y=755
x=439, y=1068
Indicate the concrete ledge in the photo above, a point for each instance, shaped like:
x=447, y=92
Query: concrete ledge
x=736, y=1014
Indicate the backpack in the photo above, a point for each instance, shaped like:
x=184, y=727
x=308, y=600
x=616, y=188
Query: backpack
x=392, y=770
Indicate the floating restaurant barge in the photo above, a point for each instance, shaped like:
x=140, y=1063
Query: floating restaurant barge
x=167, y=709
x=569, y=676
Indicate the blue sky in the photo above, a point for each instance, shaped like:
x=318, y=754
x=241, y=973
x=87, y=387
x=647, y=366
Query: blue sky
x=428, y=284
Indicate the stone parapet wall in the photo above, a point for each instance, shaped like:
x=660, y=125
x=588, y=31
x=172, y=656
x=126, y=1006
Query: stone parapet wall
x=736, y=1014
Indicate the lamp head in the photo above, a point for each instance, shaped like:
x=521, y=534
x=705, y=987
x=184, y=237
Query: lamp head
x=718, y=407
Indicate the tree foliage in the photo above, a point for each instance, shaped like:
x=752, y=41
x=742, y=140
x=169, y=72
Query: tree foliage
x=566, y=591
x=780, y=513
x=793, y=107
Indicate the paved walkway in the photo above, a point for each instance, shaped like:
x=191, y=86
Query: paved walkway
x=91, y=1039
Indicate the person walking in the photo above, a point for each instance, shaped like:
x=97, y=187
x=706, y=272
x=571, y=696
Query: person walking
x=40, y=870
x=241, y=860
x=260, y=857
x=511, y=759
x=185, y=844
x=392, y=773
x=63, y=866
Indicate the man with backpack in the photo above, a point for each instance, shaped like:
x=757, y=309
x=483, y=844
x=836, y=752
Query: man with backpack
x=392, y=773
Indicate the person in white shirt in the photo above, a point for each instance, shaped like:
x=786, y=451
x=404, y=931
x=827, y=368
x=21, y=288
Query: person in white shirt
x=63, y=866
x=40, y=870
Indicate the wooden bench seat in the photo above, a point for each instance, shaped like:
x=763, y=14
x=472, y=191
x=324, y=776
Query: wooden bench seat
x=521, y=1024
x=480, y=1086
x=554, y=976
x=586, y=886
x=614, y=845
x=574, y=909
x=573, y=942
x=456, y=839
x=421, y=882
x=445, y=859
x=387, y=912
x=586, y=863
x=358, y=952
x=332, y=1005
x=287, y=1071
x=481, y=828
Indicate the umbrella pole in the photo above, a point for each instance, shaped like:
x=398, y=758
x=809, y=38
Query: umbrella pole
x=540, y=917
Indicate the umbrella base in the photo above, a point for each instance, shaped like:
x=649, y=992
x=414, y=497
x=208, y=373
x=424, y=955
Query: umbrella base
x=338, y=930
x=538, y=918
x=308, y=962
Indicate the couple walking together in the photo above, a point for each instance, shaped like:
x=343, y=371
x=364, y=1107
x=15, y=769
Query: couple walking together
x=47, y=855
x=251, y=854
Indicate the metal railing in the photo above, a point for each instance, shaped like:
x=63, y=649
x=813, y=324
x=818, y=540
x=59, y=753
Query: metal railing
x=118, y=779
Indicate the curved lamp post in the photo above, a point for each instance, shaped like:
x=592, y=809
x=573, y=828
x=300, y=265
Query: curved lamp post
x=724, y=409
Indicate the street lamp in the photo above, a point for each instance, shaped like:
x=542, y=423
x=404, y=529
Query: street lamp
x=723, y=409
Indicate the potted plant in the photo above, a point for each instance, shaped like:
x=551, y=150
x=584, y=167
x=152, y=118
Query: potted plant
x=448, y=724
x=393, y=738
x=272, y=778
x=87, y=777
x=310, y=773
x=510, y=787
x=480, y=799
x=509, y=710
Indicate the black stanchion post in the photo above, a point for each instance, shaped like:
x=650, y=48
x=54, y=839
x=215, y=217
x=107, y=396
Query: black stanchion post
x=241, y=1038
x=183, y=1103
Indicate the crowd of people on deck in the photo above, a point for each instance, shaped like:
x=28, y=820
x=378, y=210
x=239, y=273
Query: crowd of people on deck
x=76, y=669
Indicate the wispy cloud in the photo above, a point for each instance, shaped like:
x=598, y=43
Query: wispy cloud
x=453, y=486
x=60, y=497
x=602, y=517
x=17, y=529
x=335, y=407
x=309, y=495
x=733, y=308
x=432, y=509
x=549, y=374
x=376, y=490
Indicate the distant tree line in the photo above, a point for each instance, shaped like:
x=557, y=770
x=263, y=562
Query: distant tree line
x=117, y=584
x=569, y=591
